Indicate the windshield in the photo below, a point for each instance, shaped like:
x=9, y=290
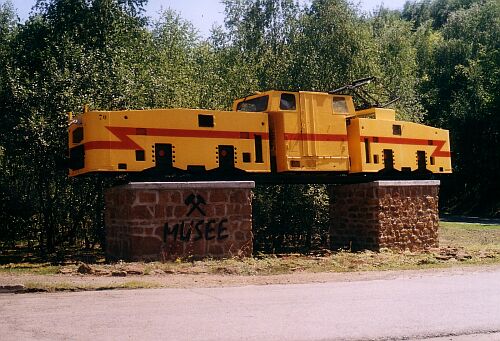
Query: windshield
x=340, y=105
x=254, y=104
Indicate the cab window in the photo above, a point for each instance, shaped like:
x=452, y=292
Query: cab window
x=339, y=105
x=78, y=135
x=254, y=105
x=287, y=102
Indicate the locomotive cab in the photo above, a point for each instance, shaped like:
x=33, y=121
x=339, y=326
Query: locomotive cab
x=307, y=129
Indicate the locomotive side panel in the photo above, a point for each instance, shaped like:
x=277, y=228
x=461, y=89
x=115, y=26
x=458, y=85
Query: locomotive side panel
x=376, y=144
x=186, y=139
x=89, y=126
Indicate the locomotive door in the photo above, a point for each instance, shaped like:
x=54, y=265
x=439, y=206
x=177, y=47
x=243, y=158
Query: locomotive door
x=226, y=157
x=307, y=125
x=316, y=121
x=323, y=133
x=163, y=156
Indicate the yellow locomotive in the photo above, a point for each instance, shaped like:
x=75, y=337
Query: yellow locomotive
x=277, y=132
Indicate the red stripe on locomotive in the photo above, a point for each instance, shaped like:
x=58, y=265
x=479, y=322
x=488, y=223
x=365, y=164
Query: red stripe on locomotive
x=439, y=144
x=123, y=133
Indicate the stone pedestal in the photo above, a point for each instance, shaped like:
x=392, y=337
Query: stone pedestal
x=400, y=215
x=169, y=220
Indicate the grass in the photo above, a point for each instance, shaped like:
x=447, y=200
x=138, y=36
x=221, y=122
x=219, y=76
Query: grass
x=29, y=268
x=39, y=286
x=23, y=253
x=468, y=226
x=461, y=243
x=472, y=237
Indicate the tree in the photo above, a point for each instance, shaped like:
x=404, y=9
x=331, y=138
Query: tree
x=461, y=93
x=333, y=47
x=397, y=62
x=68, y=53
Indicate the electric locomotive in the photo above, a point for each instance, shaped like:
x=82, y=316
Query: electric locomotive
x=273, y=132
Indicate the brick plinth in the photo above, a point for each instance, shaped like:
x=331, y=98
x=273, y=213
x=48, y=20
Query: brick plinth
x=399, y=215
x=164, y=221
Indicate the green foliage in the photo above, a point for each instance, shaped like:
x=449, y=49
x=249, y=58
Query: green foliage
x=334, y=46
x=173, y=63
x=461, y=93
x=290, y=218
x=396, y=62
x=69, y=53
x=436, y=12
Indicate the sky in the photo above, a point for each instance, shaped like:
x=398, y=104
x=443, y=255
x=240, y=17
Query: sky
x=202, y=13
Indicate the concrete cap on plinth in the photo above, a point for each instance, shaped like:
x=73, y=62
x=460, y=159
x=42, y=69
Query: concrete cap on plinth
x=190, y=185
x=387, y=183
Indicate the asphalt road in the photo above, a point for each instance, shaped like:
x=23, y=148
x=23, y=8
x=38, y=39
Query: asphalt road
x=443, y=305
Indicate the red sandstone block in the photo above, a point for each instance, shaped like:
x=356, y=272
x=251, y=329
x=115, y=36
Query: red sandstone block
x=197, y=214
x=127, y=197
x=234, y=224
x=144, y=245
x=237, y=249
x=373, y=202
x=246, y=210
x=168, y=212
x=360, y=194
x=158, y=231
x=218, y=195
x=187, y=193
x=229, y=249
x=204, y=193
x=141, y=212
x=159, y=211
x=249, y=236
x=164, y=196
x=239, y=235
x=350, y=201
x=180, y=211
x=215, y=250
x=245, y=225
x=176, y=197
x=381, y=192
x=197, y=249
x=137, y=230
x=246, y=249
x=109, y=199
x=147, y=197
x=150, y=222
x=108, y=215
x=233, y=209
x=239, y=196
x=188, y=250
x=123, y=212
x=371, y=193
x=220, y=210
x=172, y=249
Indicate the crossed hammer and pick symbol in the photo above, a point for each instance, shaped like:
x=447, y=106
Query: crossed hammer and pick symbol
x=195, y=201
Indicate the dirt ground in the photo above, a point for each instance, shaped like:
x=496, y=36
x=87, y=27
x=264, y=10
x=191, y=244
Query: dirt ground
x=85, y=282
